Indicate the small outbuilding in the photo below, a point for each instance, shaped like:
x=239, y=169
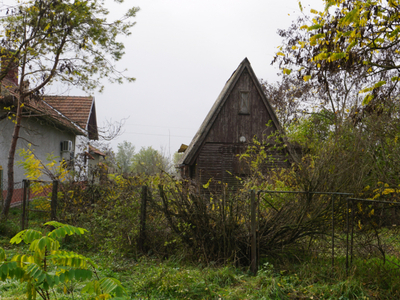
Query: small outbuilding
x=240, y=113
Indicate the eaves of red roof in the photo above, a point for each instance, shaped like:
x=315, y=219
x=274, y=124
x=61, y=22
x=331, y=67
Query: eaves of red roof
x=96, y=151
x=66, y=111
x=42, y=109
x=8, y=88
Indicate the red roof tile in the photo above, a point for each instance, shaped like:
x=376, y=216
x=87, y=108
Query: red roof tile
x=68, y=111
x=96, y=151
x=77, y=109
x=42, y=109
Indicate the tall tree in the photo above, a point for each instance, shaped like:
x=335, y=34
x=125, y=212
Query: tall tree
x=58, y=40
x=150, y=161
x=348, y=56
x=284, y=96
x=356, y=35
x=124, y=156
x=332, y=85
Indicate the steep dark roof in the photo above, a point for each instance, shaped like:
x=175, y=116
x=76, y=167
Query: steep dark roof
x=213, y=113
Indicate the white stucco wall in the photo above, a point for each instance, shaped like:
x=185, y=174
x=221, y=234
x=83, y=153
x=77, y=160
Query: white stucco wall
x=45, y=139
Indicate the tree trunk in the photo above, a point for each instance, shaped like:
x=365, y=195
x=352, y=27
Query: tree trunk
x=10, y=163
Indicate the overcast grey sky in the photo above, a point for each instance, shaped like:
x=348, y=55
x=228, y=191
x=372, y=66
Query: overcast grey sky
x=181, y=53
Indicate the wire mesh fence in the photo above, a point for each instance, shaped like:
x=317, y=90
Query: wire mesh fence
x=31, y=200
x=243, y=228
x=373, y=231
x=17, y=194
x=328, y=226
x=39, y=201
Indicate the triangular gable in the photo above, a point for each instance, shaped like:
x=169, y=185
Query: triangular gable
x=205, y=127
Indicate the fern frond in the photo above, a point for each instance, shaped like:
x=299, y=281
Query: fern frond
x=11, y=270
x=43, y=244
x=70, y=259
x=28, y=236
x=112, y=286
x=62, y=230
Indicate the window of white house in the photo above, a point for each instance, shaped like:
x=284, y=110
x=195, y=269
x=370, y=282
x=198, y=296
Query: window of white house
x=244, y=105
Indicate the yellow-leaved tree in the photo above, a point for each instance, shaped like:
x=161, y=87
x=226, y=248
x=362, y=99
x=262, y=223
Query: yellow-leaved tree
x=354, y=35
x=35, y=169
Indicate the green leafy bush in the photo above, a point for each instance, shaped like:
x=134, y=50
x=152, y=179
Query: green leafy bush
x=45, y=266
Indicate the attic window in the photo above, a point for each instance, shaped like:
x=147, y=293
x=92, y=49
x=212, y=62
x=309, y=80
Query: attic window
x=244, y=105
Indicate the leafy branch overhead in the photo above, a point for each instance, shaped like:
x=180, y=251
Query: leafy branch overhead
x=69, y=41
x=352, y=36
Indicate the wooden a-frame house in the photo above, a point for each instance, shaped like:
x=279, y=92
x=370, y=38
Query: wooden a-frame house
x=240, y=113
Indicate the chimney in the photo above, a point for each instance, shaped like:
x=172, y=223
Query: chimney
x=12, y=73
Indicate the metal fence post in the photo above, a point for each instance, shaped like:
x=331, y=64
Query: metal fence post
x=25, y=183
x=142, y=232
x=352, y=232
x=54, y=198
x=253, y=265
x=1, y=187
x=333, y=230
x=347, y=236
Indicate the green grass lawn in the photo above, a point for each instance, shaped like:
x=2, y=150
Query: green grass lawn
x=173, y=279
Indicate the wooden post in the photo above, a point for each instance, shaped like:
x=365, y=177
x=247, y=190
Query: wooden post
x=25, y=183
x=54, y=200
x=347, y=237
x=352, y=232
x=333, y=231
x=1, y=187
x=253, y=265
x=142, y=233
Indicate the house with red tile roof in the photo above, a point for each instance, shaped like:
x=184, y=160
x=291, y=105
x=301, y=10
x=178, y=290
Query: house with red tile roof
x=50, y=125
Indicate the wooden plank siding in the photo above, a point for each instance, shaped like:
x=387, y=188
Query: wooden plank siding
x=230, y=125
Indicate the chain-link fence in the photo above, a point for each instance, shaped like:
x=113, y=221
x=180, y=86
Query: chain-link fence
x=32, y=199
x=373, y=228
x=118, y=215
x=39, y=201
x=17, y=194
x=244, y=228
x=327, y=226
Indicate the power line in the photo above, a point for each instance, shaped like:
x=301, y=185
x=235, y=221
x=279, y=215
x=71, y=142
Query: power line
x=180, y=136
x=168, y=127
